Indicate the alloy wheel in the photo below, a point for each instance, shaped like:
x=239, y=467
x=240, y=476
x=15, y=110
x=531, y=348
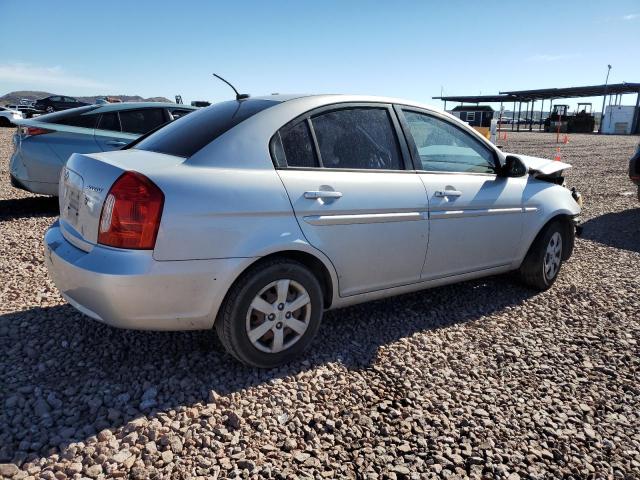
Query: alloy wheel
x=553, y=256
x=278, y=316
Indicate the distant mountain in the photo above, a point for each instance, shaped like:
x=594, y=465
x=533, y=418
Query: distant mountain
x=15, y=97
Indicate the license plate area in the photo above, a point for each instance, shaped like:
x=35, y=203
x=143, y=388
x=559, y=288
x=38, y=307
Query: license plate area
x=72, y=200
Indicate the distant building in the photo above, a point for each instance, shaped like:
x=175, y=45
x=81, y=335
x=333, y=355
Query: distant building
x=474, y=115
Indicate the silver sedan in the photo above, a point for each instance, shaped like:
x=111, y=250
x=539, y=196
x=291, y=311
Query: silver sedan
x=256, y=215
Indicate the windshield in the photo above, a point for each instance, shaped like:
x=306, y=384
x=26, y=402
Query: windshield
x=185, y=136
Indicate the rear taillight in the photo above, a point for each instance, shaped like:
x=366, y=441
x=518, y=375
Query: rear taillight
x=131, y=213
x=32, y=131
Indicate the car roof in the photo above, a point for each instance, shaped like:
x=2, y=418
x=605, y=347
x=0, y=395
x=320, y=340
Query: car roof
x=116, y=107
x=329, y=98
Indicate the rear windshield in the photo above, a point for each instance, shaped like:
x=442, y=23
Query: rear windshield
x=61, y=117
x=186, y=136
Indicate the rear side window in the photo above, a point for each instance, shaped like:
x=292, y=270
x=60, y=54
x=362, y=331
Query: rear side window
x=198, y=129
x=141, y=121
x=293, y=147
x=358, y=138
x=109, y=121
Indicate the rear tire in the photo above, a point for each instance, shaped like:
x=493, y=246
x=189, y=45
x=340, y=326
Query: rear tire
x=4, y=122
x=271, y=314
x=543, y=262
x=50, y=109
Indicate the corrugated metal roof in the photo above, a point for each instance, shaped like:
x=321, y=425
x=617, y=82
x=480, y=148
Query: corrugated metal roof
x=547, y=93
x=575, y=92
x=476, y=98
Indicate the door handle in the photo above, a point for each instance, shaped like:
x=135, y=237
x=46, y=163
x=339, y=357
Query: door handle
x=447, y=193
x=315, y=194
x=116, y=143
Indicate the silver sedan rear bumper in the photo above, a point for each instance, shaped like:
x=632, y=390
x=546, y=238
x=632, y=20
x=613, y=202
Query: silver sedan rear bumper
x=129, y=289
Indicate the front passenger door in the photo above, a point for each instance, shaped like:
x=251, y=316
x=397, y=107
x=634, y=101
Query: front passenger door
x=475, y=216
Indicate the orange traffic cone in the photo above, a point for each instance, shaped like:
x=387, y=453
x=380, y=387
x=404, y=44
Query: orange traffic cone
x=565, y=139
x=558, y=156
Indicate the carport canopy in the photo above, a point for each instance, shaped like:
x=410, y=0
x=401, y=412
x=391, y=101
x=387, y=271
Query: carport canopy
x=573, y=92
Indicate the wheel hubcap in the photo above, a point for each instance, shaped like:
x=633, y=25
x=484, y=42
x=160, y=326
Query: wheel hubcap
x=553, y=256
x=278, y=316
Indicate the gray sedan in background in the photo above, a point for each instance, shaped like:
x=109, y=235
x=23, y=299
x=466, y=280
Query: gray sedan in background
x=43, y=144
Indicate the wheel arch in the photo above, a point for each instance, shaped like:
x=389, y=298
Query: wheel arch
x=319, y=265
x=314, y=264
x=568, y=232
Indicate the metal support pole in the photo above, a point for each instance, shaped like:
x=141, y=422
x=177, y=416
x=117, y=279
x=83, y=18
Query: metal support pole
x=541, y=112
x=519, y=113
x=636, y=117
x=445, y=105
x=550, y=111
x=604, y=98
x=533, y=104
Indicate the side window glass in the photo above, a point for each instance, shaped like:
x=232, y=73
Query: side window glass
x=109, y=121
x=141, y=121
x=445, y=148
x=178, y=112
x=359, y=138
x=294, y=148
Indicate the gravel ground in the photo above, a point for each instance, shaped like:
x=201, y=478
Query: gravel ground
x=482, y=379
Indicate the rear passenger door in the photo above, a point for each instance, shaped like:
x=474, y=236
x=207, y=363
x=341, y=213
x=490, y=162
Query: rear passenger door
x=355, y=195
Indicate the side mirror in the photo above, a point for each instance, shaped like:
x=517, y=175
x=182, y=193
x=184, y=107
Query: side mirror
x=513, y=167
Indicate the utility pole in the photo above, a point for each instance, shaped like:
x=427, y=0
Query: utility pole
x=604, y=99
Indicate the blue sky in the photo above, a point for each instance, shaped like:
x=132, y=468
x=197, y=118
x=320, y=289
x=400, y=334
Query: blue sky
x=407, y=49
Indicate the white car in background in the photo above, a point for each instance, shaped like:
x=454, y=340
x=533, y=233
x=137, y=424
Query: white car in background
x=8, y=117
x=254, y=216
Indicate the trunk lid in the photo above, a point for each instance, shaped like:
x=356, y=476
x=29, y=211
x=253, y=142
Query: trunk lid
x=85, y=182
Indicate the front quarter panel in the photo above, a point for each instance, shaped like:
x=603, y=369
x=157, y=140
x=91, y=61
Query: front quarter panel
x=543, y=201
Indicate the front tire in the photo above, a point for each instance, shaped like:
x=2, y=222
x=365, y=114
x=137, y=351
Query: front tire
x=4, y=122
x=542, y=264
x=271, y=314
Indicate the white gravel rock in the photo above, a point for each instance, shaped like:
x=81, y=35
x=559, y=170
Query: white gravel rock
x=482, y=380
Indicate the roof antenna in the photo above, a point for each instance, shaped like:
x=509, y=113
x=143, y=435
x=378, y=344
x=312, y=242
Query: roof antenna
x=239, y=96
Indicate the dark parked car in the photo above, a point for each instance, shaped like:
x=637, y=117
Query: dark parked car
x=56, y=103
x=634, y=169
